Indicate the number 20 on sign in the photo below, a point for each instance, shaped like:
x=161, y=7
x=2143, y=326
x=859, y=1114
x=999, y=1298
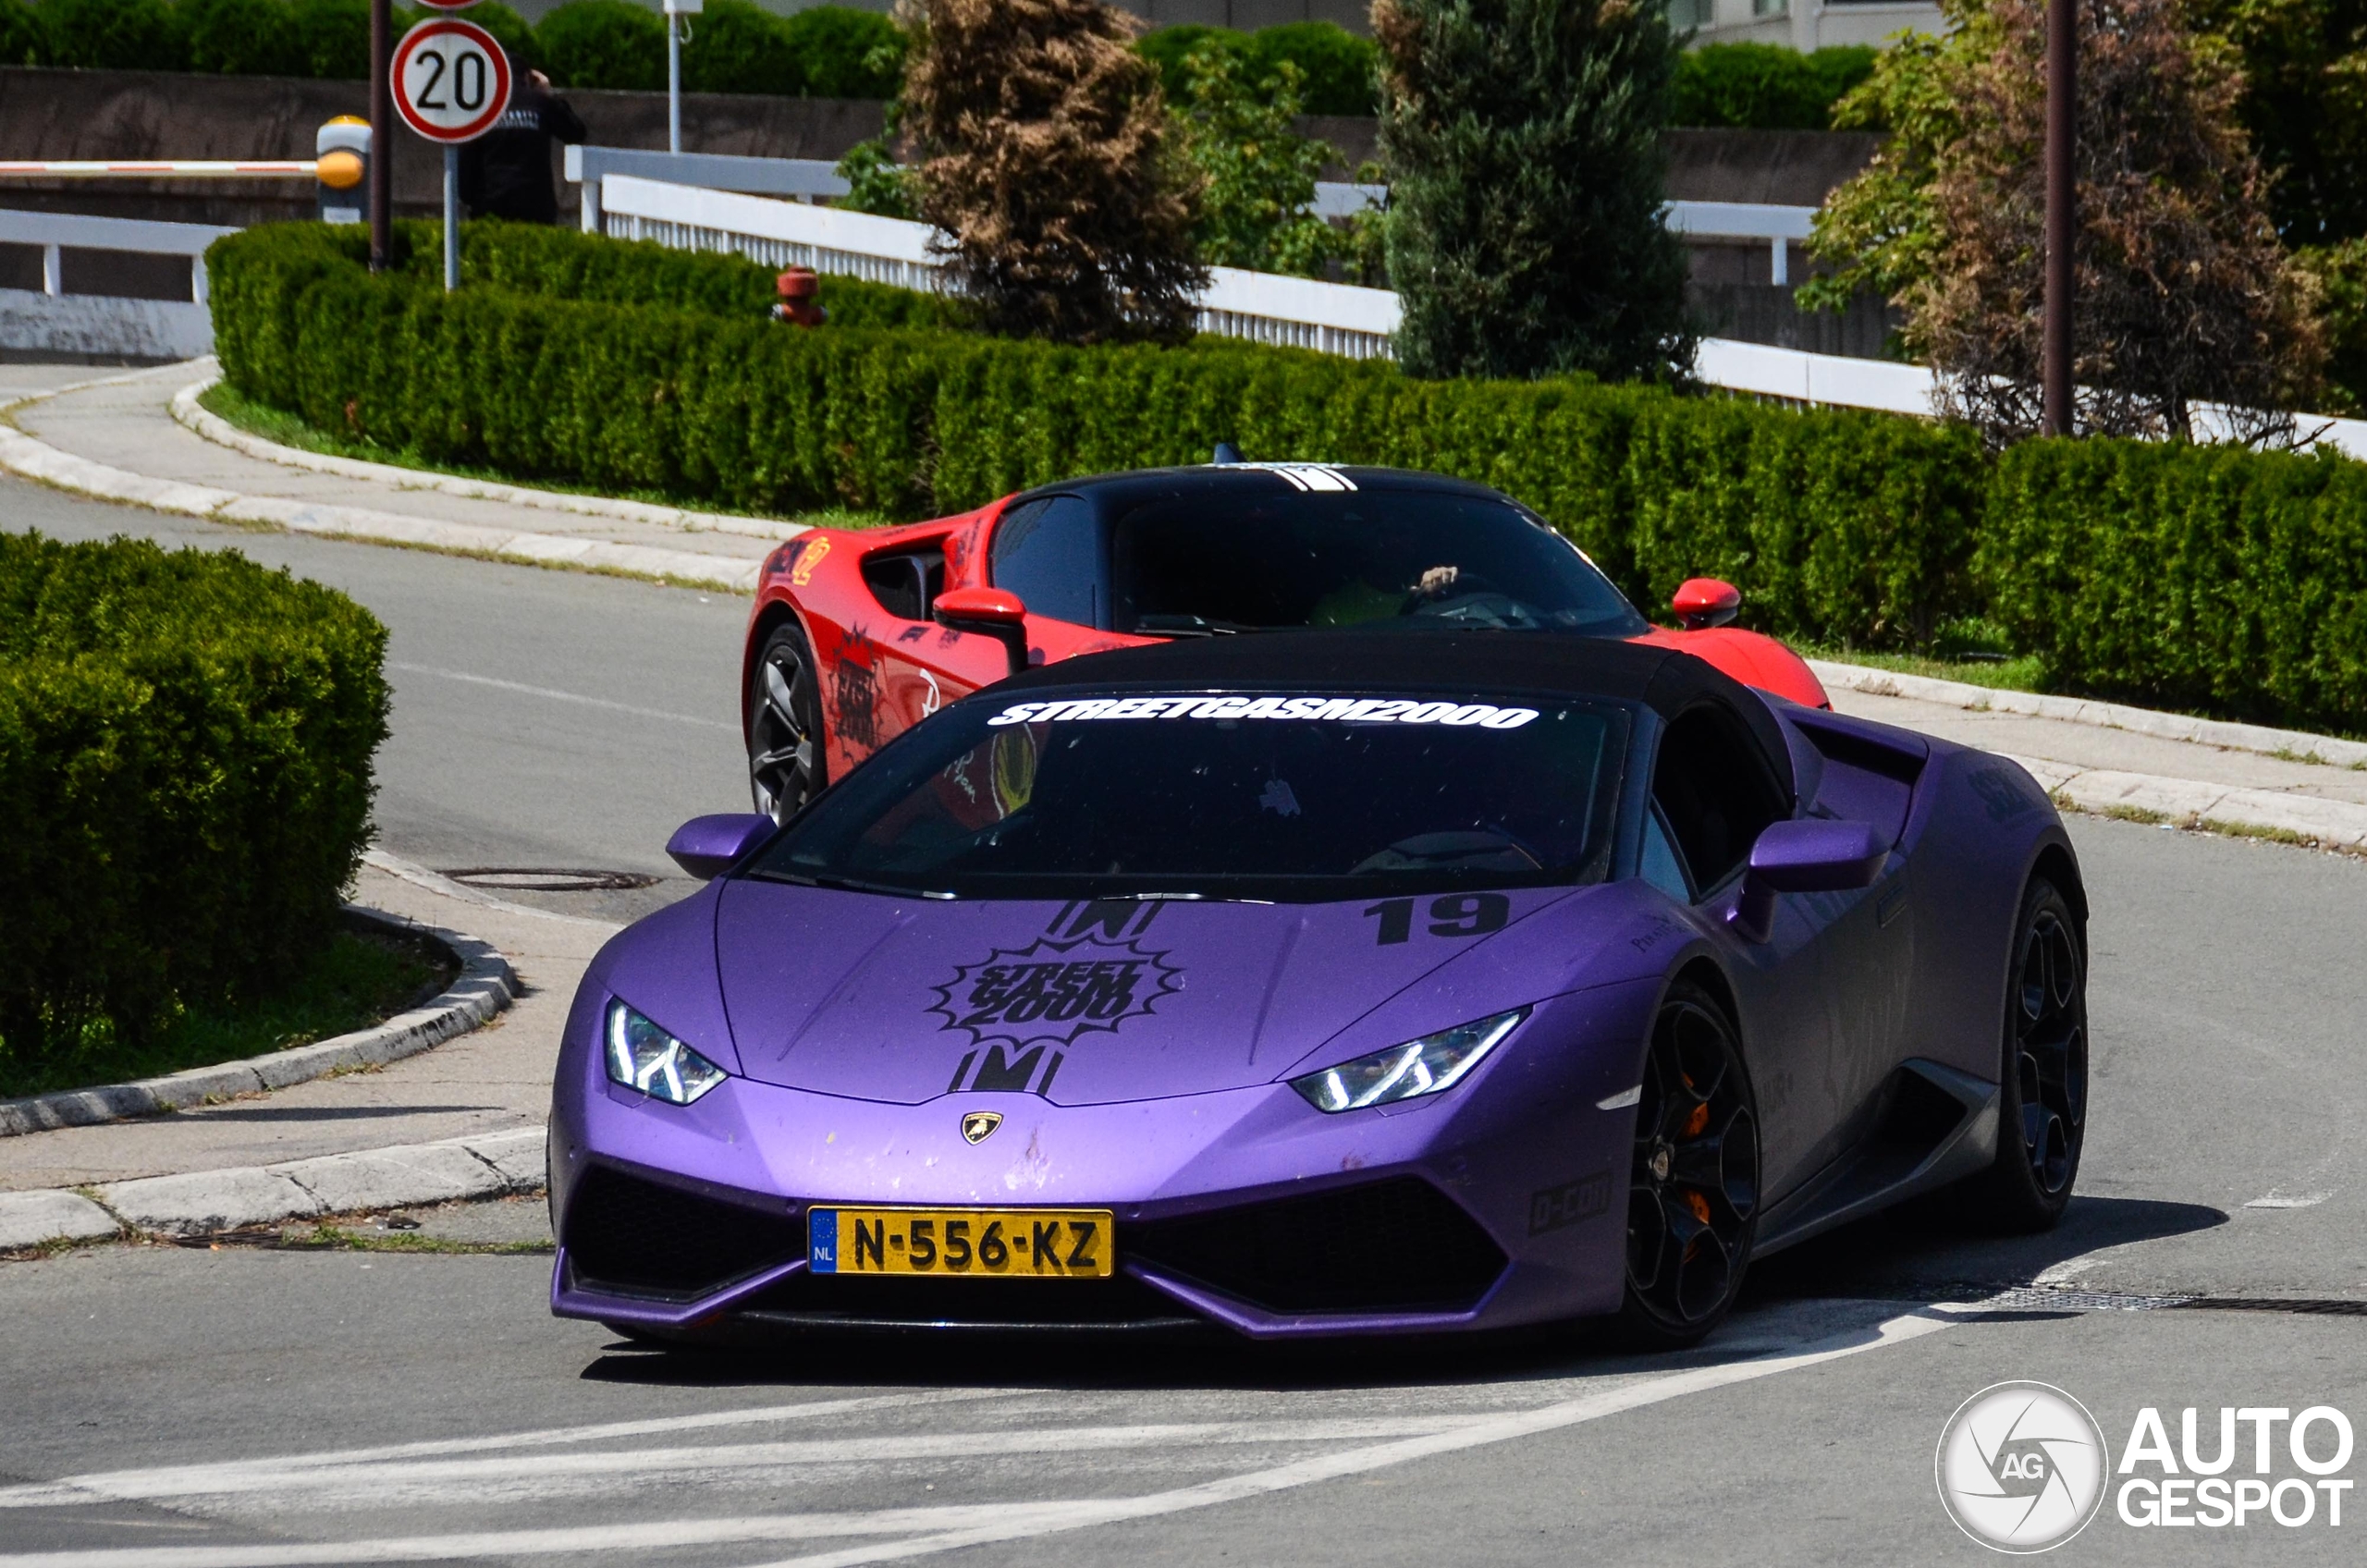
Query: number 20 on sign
x=451, y=79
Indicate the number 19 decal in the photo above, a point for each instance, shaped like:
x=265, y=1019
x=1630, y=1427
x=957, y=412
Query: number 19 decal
x=1451, y=914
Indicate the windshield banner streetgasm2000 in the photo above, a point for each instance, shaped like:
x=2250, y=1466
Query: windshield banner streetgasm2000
x=1200, y=704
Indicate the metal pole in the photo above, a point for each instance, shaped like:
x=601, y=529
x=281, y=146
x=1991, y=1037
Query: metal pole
x=451, y=218
x=2061, y=213
x=382, y=133
x=673, y=82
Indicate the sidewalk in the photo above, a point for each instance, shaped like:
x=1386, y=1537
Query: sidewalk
x=495, y=1079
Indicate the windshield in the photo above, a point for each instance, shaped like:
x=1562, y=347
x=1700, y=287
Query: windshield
x=1411, y=557
x=1297, y=797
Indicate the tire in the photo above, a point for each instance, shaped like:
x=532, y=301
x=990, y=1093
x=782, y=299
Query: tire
x=787, y=761
x=1693, y=1193
x=2043, y=1084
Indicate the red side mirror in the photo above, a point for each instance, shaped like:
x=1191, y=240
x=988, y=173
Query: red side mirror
x=989, y=612
x=1704, y=602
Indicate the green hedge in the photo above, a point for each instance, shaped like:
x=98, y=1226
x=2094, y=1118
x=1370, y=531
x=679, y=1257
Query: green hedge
x=2203, y=577
x=1841, y=526
x=185, y=746
x=2197, y=577
x=1339, y=72
x=1764, y=86
x=735, y=46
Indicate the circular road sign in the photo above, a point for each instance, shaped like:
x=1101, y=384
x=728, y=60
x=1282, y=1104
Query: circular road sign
x=451, y=79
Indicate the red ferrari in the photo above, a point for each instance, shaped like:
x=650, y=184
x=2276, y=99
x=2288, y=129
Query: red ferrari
x=858, y=635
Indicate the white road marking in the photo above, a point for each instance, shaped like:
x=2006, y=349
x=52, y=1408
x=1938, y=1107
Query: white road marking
x=556, y=695
x=1059, y=1517
x=2292, y=1200
x=181, y=1480
x=532, y=1474
x=945, y=1529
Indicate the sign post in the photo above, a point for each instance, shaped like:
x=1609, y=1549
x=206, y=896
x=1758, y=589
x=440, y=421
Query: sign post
x=675, y=11
x=451, y=84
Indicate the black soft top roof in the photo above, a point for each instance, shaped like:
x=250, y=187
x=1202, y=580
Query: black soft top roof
x=1261, y=481
x=1664, y=679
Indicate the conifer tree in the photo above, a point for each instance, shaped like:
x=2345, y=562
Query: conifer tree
x=1522, y=139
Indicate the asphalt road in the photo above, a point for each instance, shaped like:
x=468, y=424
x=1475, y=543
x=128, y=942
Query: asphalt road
x=199, y=1409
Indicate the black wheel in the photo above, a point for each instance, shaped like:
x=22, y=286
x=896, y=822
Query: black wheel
x=786, y=766
x=2042, y=1099
x=1693, y=1198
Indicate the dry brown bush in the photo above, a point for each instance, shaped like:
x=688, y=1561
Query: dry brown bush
x=2184, y=294
x=1042, y=153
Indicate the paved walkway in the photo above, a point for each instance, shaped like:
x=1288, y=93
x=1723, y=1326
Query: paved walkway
x=498, y=1078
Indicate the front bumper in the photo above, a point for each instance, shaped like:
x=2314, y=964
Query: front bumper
x=1243, y=1209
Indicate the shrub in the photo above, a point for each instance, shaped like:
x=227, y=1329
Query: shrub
x=185, y=745
x=2203, y=577
x=846, y=53
x=1840, y=527
x=1338, y=71
x=596, y=43
x=737, y=47
x=125, y=35
x=242, y=38
x=1256, y=177
x=333, y=36
x=509, y=29
x=24, y=39
x=1764, y=86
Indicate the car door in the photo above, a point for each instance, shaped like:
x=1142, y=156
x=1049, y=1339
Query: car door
x=1714, y=792
x=898, y=667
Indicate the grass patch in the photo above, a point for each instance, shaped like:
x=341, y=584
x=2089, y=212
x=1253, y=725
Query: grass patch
x=339, y=1238
x=360, y=978
x=2019, y=674
x=275, y=424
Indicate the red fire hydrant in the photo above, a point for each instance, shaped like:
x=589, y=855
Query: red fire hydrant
x=801, y=304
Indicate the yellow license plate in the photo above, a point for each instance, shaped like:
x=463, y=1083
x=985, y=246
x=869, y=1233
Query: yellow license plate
x=993, y=1243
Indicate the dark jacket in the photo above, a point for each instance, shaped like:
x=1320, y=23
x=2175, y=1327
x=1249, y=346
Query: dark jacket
x=506, y=173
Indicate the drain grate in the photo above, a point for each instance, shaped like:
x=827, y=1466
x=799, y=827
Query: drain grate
x=2041, y=1298
x=550, y=879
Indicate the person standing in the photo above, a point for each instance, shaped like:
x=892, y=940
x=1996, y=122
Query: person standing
x=506, y=173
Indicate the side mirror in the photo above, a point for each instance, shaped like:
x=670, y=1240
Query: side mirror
x=1704, y=602
x=707, y=846
x=990, y=612
x=1804, y=856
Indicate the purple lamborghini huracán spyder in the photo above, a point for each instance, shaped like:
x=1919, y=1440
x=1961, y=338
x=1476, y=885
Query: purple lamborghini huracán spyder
x=1340, y=982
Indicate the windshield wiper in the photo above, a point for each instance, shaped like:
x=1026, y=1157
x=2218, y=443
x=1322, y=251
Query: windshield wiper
x=1191, y=626
x=853, y=884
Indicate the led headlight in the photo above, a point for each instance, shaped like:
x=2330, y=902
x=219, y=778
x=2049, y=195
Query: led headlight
x=1426, y=1066
x=641, y=1056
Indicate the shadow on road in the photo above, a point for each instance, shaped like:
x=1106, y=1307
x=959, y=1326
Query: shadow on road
x=1921, y=1251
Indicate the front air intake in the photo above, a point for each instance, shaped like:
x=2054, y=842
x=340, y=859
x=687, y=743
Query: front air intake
x=639, y=1238
x=1397, y=1245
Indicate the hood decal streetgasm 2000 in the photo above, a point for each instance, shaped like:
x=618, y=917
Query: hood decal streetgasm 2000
x=1022, y=1007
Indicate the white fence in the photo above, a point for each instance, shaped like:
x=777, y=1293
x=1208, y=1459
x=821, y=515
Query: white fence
x=1295, y=312
x=55, y=322
x=1781, y=227
x=1303, y=313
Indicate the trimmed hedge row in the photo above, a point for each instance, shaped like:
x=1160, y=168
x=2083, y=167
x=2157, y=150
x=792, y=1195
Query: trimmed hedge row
x=1841, y=526
x=2203, y=577
x=185, y=745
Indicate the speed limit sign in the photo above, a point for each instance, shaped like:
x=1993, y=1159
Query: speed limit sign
x=451, y=81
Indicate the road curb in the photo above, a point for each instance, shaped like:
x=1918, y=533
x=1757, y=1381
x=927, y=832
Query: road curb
x=35, y=460
x=2335, y=825
x=189, y=412
x=2292, y=744
x=486, y=1165
x=484, y=985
